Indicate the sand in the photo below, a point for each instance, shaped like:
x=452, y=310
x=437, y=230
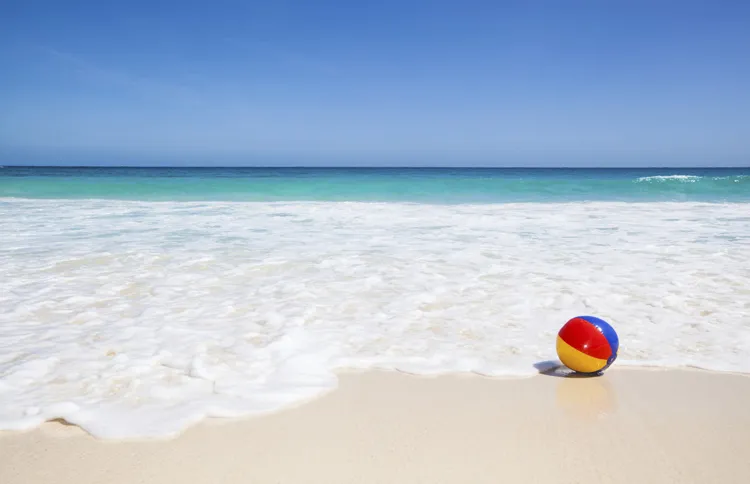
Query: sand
x=627, y=426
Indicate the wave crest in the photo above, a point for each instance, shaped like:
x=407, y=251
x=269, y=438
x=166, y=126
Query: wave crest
x=664, y=178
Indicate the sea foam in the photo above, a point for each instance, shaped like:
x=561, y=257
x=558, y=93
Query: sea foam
x=138, y=319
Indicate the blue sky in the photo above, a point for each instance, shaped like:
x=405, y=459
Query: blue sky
x=627, y=82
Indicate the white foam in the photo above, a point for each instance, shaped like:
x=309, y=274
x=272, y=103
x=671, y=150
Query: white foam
x=664, y=178
x=137, y=319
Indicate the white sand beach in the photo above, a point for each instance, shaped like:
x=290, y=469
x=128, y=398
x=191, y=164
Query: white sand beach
x=627, y=426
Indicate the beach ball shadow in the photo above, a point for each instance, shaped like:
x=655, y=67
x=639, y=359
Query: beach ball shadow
x=557, y=369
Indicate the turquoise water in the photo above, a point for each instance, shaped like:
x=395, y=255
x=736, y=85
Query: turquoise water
x=433, y=185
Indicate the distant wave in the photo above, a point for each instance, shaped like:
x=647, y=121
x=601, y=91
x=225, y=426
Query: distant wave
x=736, y=179
x=690, y=178
x=664, y=178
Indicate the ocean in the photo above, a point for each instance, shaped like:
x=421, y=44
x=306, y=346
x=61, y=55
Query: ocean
x=416, y=185
x=135, y=302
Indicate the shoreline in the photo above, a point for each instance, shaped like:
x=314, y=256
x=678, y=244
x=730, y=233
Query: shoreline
x=627, y=425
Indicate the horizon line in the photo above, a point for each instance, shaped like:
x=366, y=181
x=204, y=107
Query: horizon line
x=505, y=167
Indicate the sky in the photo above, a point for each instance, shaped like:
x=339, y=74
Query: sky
x=393, y=82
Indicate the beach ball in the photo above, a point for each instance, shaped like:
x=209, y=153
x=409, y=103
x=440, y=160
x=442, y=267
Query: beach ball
x=587, y=345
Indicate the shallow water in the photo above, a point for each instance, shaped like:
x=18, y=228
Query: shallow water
x=138, y=318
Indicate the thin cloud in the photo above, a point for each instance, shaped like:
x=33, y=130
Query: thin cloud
x=284, y=56
x=91, y=72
